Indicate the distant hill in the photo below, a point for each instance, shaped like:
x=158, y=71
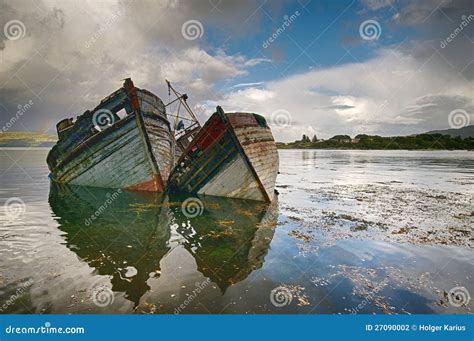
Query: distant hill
x=462, y=132
x=26, y=139
x=429, y=141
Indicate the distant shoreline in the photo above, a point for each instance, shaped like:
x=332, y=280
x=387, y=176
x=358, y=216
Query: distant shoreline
x=368, y=149
x=23, y=147
x=26, y=139
x=431, y=141
x=26, y=146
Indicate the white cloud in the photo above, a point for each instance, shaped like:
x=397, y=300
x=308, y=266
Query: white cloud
x=245, y=85
x=76, y=53
x=382, y=95
x=377, y=4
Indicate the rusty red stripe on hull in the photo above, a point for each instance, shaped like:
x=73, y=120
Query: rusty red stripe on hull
x=154, y=185
x=134, y=152
x=234, y=155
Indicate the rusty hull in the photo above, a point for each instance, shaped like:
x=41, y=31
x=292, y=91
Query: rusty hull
x=234, y=155
x=136, y=152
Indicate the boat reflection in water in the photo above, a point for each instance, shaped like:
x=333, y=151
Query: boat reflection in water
x=109, y=230
x=230, y=239
x=126, y=235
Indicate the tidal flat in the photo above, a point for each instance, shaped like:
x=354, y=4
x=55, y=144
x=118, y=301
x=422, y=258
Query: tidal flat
x=351, y=232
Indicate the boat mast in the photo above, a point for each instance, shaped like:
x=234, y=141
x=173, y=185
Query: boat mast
x=182, y=101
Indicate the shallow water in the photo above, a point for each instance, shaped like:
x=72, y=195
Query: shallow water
x=352, y=232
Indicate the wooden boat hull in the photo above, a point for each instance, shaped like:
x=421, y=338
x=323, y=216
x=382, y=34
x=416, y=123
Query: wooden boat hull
x=134, y=153
x=234, y=155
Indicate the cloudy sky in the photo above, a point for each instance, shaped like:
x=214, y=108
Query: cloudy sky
x=388, y=67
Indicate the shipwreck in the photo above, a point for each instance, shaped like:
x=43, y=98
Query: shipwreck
x=130, y=141
x=233, y=155
x=135, y=151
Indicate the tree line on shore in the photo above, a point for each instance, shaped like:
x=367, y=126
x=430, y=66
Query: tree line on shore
x=363, y=141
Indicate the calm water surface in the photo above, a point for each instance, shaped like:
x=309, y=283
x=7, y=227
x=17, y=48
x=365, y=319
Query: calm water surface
x=336, y=240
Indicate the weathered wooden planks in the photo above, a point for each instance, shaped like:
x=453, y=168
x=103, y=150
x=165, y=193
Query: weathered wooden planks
x=234, y=180
x=114, y=162
x=132, y=152
x=234, y=155
x=260, y=149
